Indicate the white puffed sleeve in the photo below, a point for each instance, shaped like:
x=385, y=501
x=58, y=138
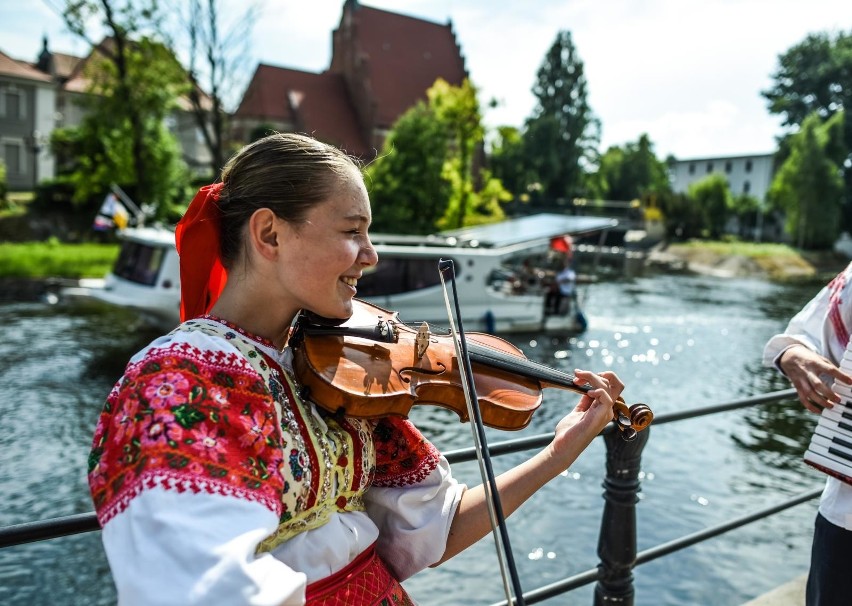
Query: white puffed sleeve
x=182, y=549
x=414, y=521
x=822, y=325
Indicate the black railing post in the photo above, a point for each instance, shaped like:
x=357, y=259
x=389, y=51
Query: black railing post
x=617, y=539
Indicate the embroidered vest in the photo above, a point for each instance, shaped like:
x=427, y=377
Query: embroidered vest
x=327, y=463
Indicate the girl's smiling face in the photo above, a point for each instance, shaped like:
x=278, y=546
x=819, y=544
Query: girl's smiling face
x=324, y=256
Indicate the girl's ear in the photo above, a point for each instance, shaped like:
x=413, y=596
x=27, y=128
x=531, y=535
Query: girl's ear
x=263, y=233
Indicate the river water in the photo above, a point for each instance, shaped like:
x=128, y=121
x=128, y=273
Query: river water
x=677, y=341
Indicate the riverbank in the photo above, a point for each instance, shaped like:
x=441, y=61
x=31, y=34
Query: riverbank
x=29, y=271
x=774, y=262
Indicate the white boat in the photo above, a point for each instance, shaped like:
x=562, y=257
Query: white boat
x=503, y=271
x=145, y=277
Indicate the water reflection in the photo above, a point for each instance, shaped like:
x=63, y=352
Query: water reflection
x=677, y=342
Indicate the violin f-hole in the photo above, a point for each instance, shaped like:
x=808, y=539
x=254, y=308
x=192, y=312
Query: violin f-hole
x=411, y=370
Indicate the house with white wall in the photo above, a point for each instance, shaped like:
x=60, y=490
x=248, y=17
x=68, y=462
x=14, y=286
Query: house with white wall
x=38, y=97
x=27, y=117
x=750, y=175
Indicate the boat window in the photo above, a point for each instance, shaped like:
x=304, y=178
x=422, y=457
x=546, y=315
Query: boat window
x=395, y=275
x=139, y=263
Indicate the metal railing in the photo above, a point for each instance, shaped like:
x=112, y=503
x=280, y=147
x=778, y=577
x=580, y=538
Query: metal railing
x=617, y=536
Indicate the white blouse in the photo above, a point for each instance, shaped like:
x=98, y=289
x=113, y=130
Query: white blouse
x=173, y=540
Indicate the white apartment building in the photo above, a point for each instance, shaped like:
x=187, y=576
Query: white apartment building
x=751, y=175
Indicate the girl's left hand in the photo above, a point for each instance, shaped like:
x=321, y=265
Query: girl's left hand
x=594, y=410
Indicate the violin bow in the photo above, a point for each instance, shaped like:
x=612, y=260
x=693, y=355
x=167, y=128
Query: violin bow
x=495, y=508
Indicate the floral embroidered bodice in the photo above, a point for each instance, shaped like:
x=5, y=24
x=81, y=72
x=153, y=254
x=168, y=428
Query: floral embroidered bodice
x=211, y=408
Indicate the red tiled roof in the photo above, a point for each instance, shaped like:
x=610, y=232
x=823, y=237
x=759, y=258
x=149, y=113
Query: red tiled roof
x=387, y=66
x=64, y=65
x=20, y=69
x=316, y=104
x=405, y=56
x=78, y=78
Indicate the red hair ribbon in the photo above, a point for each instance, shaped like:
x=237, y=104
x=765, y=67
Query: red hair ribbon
x=202, y=276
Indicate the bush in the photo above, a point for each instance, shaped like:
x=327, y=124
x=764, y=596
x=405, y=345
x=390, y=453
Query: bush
x=3, y=187
x=55, y=193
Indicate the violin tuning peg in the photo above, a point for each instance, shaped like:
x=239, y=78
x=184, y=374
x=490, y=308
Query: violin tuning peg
x=629, y=434
x=623, y=420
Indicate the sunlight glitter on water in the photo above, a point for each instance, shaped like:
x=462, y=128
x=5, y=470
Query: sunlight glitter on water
x=697, y=342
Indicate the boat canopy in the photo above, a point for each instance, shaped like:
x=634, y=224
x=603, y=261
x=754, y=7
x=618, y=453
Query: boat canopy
x=511, y=232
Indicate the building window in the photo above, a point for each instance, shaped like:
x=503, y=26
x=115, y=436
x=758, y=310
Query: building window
x=748, y=166
x=12, y=104
x=692, y=169
x=728, y=167
x=746, y=187
x=709, y=167
x=13, y=157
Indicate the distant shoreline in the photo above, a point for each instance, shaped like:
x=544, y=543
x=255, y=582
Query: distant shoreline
x=682, y=258
x=708, y=260
x=31, y=289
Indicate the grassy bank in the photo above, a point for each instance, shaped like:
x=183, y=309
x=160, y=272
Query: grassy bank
x=771, y=260
x=53, y=259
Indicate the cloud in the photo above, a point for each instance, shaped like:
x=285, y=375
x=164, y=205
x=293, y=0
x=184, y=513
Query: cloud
x=688, y=74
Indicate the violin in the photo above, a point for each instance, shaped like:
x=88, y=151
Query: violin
x=372, y=365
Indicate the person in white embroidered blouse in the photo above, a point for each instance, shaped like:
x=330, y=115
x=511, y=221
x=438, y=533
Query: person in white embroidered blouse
x=809, y=353
x=216, y=481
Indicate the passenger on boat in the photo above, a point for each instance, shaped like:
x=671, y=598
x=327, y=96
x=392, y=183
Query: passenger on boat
x=809, y=353
x=217, y=481
x=563, y=288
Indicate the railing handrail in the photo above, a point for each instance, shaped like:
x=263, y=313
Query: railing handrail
x=540, y=440
x=643, y=557
x=618, y=487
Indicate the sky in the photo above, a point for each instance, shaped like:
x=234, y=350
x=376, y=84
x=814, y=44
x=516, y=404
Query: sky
x=688, y=73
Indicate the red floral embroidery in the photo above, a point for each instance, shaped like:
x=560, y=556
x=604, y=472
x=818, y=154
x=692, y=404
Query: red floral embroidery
x=403, y=456
x=187, y=419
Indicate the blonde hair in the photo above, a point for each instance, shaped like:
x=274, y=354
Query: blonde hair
x=284, y=172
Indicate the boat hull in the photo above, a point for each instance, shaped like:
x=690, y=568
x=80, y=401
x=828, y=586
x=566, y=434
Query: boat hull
x=501, y=286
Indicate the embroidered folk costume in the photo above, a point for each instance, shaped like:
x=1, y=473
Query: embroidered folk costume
x=823, y=326
x=215, y=482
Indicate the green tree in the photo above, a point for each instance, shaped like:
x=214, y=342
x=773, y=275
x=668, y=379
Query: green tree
x=135, y=82
x=808, y=187
x=712, y=197
x=562, y=135
x=507, y=160
x=630, y=173
x=748, y=211
x=458, y=109
x=815, y=76
x=3, y=187
x=407, y=189
x=218, y=50
x=424, y=178
x=682, y=216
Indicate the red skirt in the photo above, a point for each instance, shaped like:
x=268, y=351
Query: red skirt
x=365, y=581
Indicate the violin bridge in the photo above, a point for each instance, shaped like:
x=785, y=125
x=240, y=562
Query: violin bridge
x=421, y=341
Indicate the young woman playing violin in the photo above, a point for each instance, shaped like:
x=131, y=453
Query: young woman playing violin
x=216, y=481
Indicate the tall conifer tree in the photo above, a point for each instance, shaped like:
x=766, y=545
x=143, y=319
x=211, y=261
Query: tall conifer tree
x=562, y=135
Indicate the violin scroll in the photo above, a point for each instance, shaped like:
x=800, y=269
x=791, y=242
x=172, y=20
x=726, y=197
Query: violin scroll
x=631, y=420
x=641, y=416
